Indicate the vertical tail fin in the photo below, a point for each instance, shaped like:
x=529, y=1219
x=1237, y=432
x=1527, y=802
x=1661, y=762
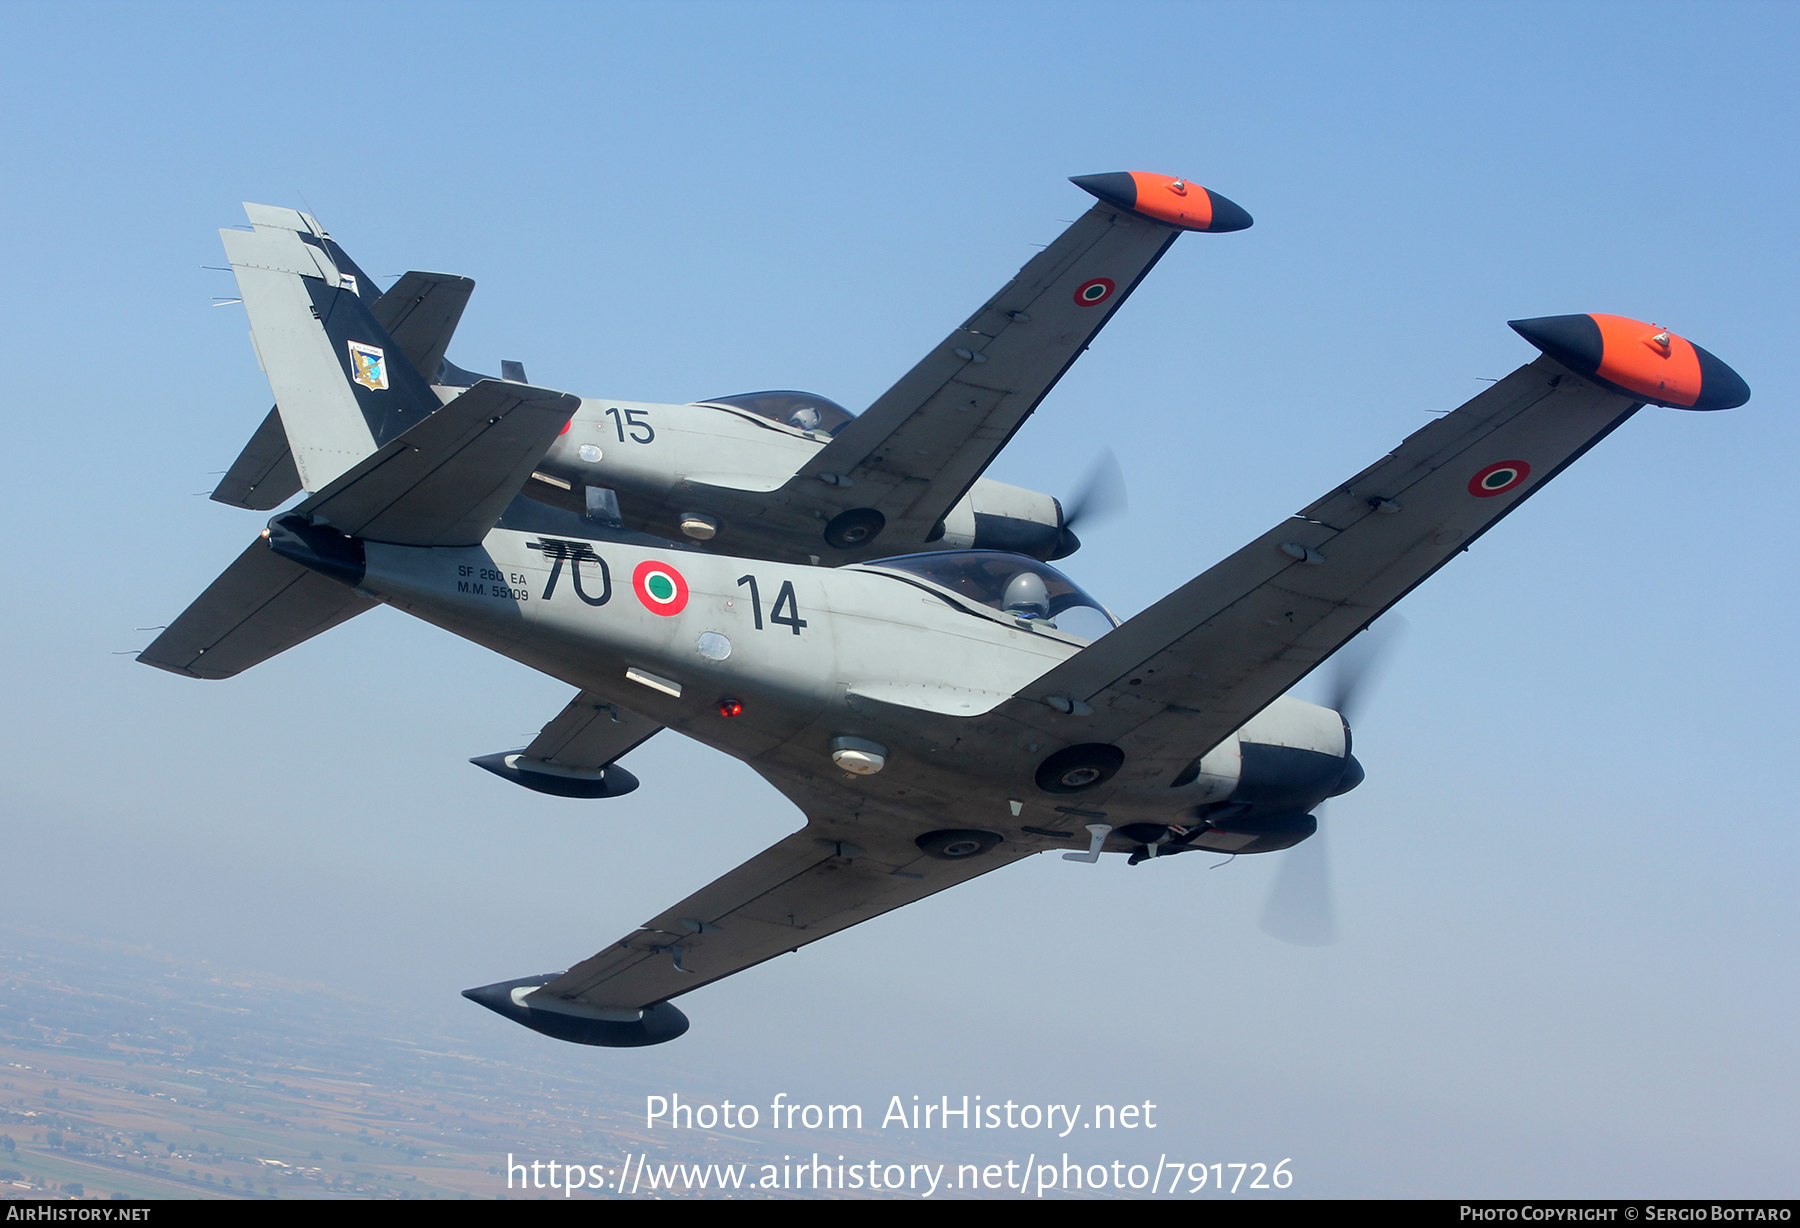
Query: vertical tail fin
x=342, y=385
x=420, y=313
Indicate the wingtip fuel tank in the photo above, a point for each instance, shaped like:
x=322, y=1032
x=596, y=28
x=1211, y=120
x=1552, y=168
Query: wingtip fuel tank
x=1641, y=360
x=573, y=1021
x=1167, y=199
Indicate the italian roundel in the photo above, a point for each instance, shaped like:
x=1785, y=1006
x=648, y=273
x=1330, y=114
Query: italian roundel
x=1498, y=479
x=661, y=588
x=1090, y=293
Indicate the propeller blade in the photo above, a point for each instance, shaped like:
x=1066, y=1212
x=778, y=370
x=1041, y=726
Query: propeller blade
x=1300, y=909
x=1102, y=495
x=1357, y=663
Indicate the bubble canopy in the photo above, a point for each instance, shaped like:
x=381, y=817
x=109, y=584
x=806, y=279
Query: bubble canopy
x=803, y=411
x=1009, y=584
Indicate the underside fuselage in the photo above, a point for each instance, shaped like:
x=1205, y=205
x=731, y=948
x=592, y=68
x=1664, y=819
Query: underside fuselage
x=777, y=664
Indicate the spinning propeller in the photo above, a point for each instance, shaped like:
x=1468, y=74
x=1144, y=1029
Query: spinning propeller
x=1102, y=495
x=1300, y=908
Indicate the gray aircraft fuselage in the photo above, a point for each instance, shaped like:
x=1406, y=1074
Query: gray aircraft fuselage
x=806, y=656
x=706, y=472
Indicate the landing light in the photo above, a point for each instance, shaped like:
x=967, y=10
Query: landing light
x=858, y=756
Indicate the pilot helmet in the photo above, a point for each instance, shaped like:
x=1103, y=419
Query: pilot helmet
x=1026, y=596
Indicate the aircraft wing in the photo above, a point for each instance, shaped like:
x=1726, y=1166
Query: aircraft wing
x=590, y=733
x=832, y=874
x=1175, y=680
x=576, y=754
x=913, y=453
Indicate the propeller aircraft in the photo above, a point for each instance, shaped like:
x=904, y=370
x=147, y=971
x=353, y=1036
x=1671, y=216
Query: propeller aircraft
x=782, y=475
x=934, y=713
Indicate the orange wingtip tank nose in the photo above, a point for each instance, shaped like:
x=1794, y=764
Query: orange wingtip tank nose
x=1641, y=360
x=1167, y=199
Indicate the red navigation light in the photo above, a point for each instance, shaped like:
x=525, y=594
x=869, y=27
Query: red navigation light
x=729, y=708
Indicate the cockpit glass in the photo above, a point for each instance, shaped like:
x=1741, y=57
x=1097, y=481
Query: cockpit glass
x=800, y=410
x=1011, y=584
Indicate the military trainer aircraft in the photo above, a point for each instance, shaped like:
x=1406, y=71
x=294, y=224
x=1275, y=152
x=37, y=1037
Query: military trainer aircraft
x=786, y=476
x=934, y=715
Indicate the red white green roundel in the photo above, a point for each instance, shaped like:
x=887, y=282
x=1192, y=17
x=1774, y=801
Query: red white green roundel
x=1499, y=478
x=1092, y=292
x=661, y=588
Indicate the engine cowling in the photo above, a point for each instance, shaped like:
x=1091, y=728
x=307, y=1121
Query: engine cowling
x=996, y=516
x=1254, y=791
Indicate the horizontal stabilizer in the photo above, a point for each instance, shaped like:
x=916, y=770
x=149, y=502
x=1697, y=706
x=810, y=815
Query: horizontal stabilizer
x=262, y=605
x=421, y=312
x=447, y=479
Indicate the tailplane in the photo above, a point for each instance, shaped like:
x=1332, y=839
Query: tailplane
x=443, y=482
x=262, y=605
x=390, y=458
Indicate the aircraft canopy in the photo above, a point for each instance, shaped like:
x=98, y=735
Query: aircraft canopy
x=1010, y=584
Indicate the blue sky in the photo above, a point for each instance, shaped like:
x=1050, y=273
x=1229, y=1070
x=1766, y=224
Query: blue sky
x=1566, y=889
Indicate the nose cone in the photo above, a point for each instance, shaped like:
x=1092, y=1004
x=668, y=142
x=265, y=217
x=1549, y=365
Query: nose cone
x=498, y=998
x=1352, y=777
x=1167, y=199
x=1720, y=386
x=1643, y=361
